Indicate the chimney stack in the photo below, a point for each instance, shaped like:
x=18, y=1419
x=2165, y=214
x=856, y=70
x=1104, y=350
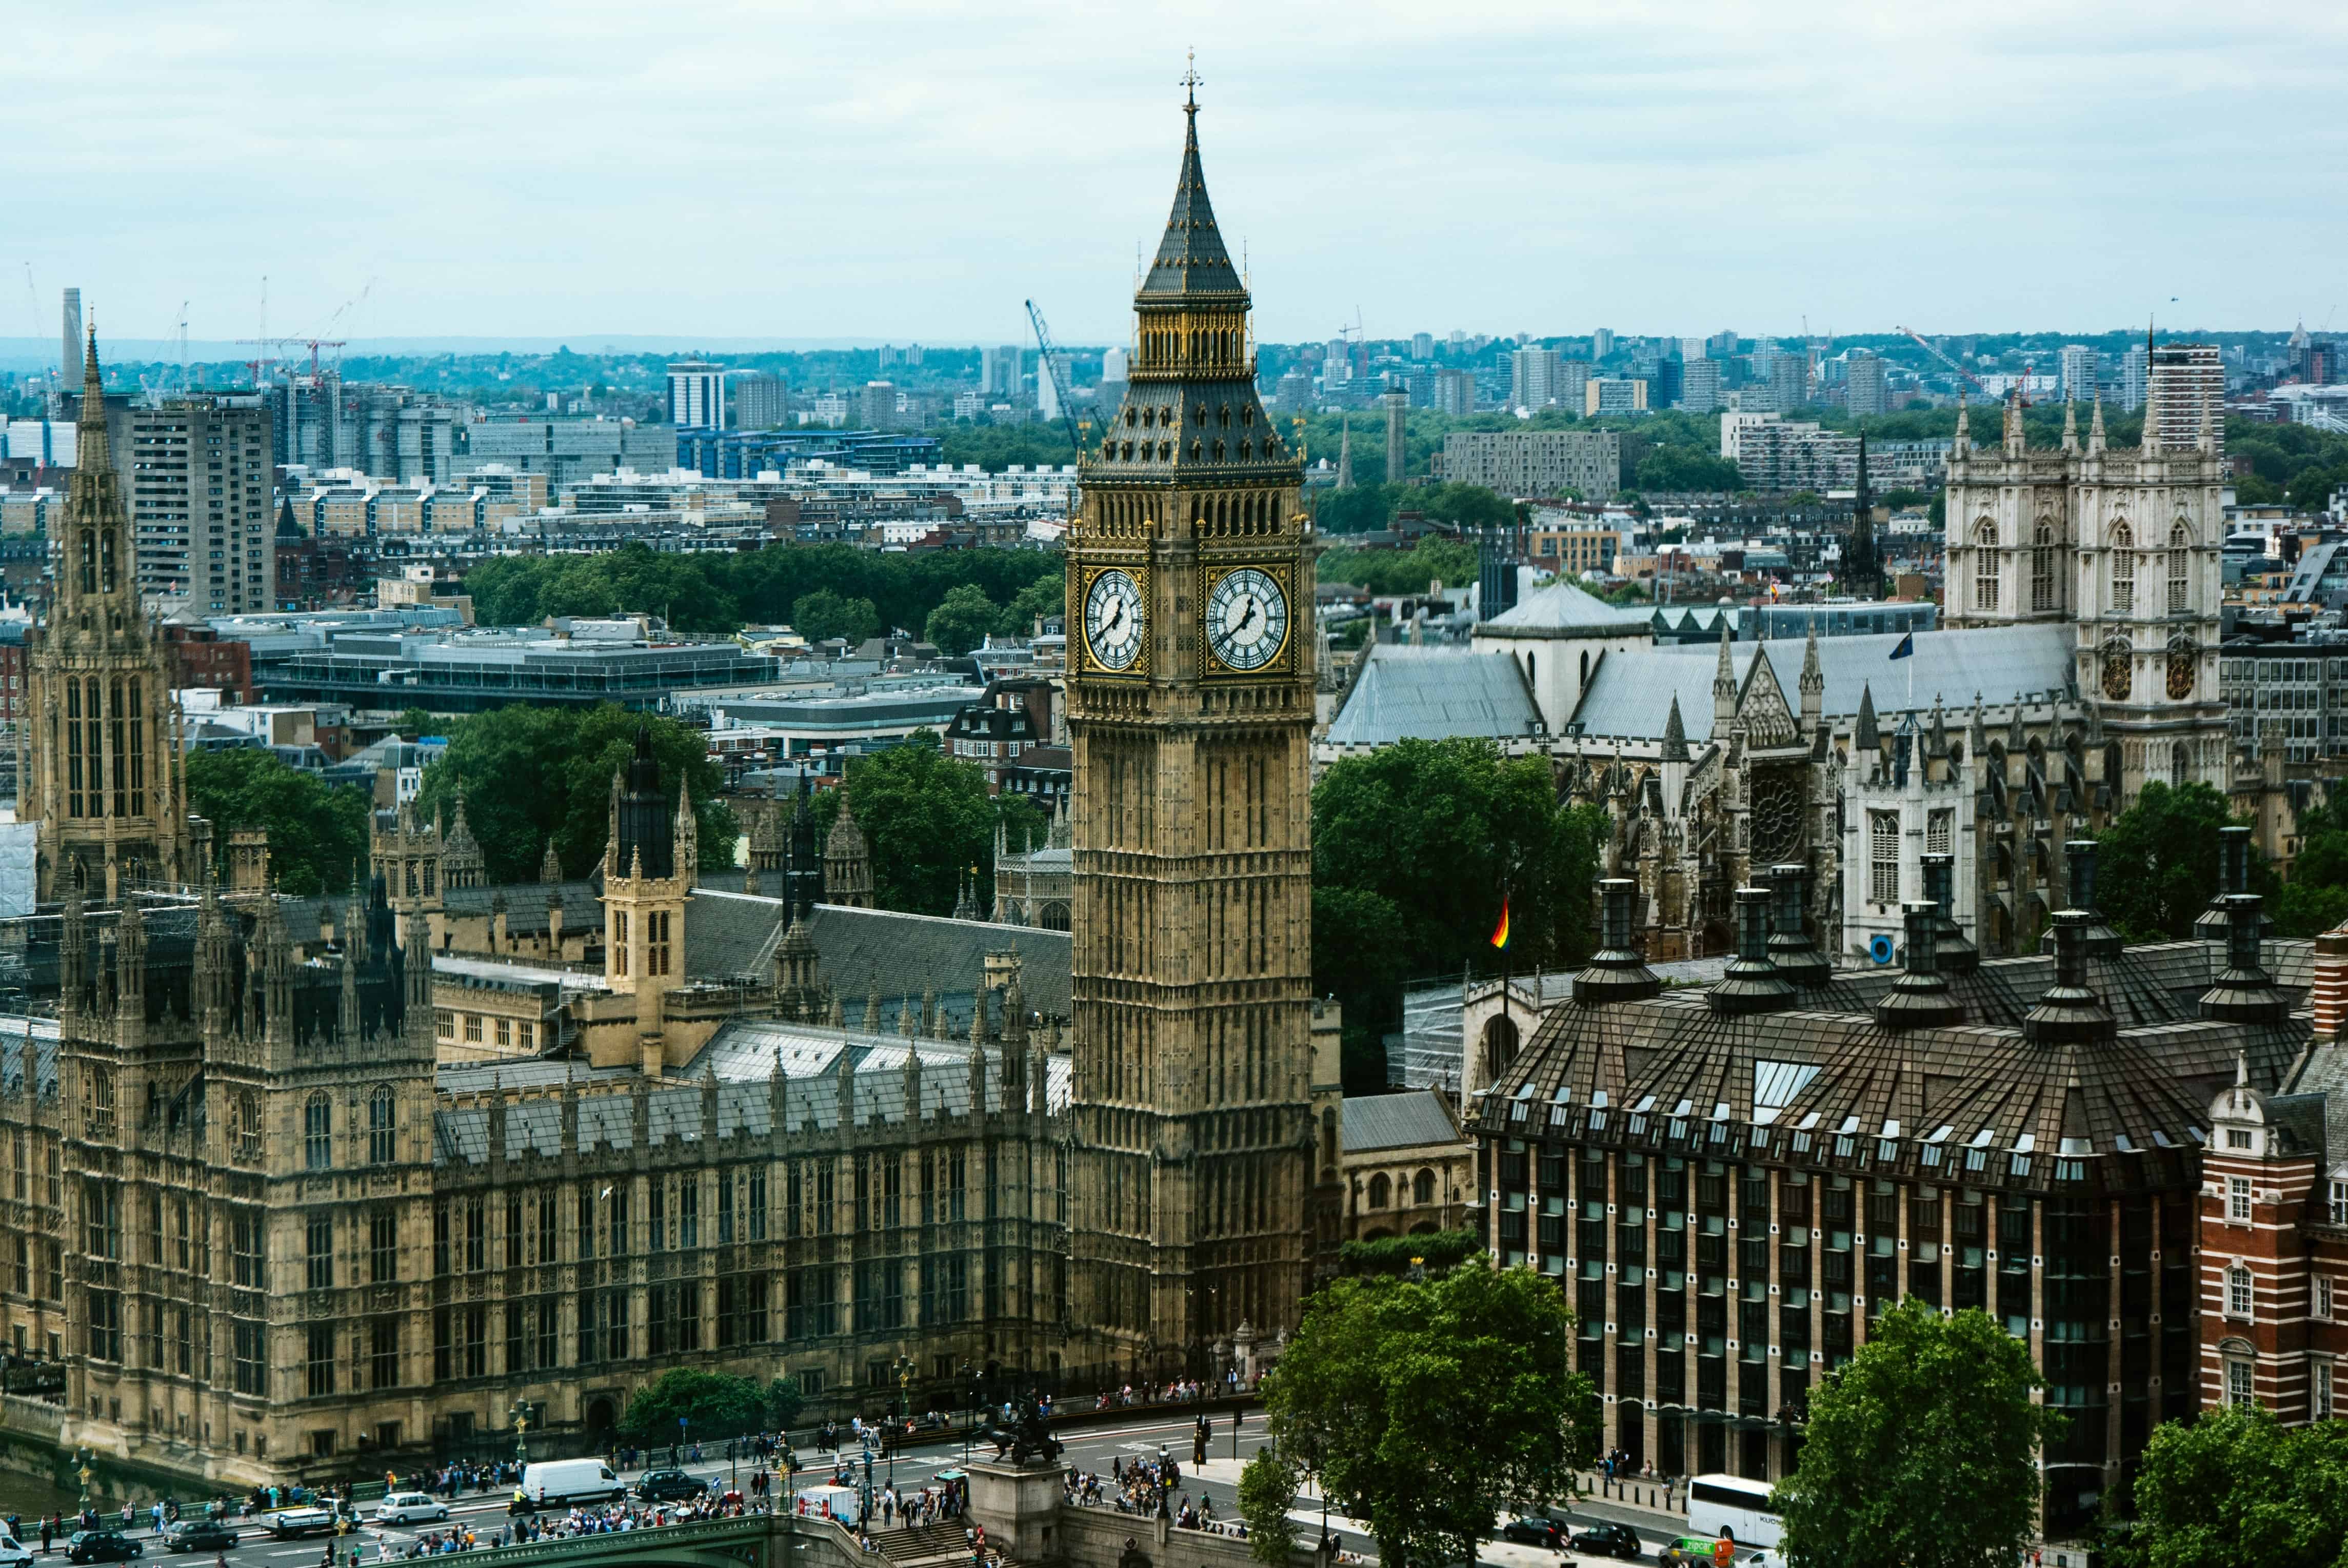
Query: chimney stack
x=2244, y=993
x=1796, y=957
x=2070, y=1011
x=2233, y=877
x=1752, y=984
x=1615, y=972
x=1955, y=951
x=1920, y=999
x=2330, y=993
x=2102, y=941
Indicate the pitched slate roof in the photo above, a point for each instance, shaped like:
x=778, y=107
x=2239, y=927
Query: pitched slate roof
x=1561, y=608
x=1411, y=1120
x=1630, y=693
x=1407, y=693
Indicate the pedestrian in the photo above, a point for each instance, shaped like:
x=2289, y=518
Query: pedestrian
x=48, y=1533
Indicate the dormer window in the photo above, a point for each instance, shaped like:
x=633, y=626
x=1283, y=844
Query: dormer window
x=2238, y=1137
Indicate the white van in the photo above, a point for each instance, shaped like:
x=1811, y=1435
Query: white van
x=559, y=1483
x=844, y=1503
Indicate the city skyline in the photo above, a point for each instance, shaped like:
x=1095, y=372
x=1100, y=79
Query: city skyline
x=487, y=178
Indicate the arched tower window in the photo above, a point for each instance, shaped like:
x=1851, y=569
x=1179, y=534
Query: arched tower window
x=2123, y=571
x=2180, y=766
x=383, y=1126
x=1499, y=1046
x=1422, y=1188
x=318, y=1133
x=2042, y=567
x=1985, y=566
x=2180, y=567
x=1380, y=1190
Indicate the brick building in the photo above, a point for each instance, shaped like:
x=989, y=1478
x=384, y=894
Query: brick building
x=199, y=656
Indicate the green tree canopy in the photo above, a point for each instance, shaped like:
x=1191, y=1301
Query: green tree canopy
x=713, y=1404
x=2235, y=1489
x=1401, y=571
x=2316, y=897
x=929, y=822
x=824, y=615
x=961, y=620
x=317, y=836
x=1412, y=848
x=1687, y=468
x=1923, y=1452
x=1267, y=1491
x=1426, y=1407
x=1046, y=597
x=534, y=773
x=2158, y=868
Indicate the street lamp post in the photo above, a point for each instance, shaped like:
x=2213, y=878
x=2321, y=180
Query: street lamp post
x=904, y=1370
x=970, y=1380
x=81, y=1458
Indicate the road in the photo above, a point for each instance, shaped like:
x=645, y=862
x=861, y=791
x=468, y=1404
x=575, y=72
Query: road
x=1086, y=1447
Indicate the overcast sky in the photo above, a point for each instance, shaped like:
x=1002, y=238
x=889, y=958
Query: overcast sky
x=886, y=170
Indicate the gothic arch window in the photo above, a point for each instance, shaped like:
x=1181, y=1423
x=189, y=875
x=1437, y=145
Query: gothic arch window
x=1380, y=1190
x=244, y=1125
x=2180, y=568
x=383, y=1126
x=1986, y=565
x=2123, y=570
x=318, y=1133
x=2180, y=766
x=1499, y=1046
x=1422, y=1188
x=1528, y=669
x=2042, y=567
x=1585, y=667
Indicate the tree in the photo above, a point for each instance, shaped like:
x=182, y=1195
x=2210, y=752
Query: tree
x=568, y=755
x=1427, y=1406
x=1267, y=1491
x=1923, y=1450
x=784, y=1402
x=2158, y=869
x=1045, y=597
x=1402, y=570
x=1687, y=468
x=1360, y=956
x=929, y=822
x=712, y=1404
x=961, y=620
x=2235, y=1488
x=317, y=836
x=824, y=615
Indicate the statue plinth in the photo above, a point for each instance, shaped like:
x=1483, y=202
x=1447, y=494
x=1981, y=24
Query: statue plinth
x=1018, y=1503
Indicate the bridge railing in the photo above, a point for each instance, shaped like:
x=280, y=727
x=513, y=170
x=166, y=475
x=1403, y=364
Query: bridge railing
x=836, y=1543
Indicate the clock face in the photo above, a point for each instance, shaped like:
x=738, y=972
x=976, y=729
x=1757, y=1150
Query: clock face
x=1114, y=617
x=1247, y=619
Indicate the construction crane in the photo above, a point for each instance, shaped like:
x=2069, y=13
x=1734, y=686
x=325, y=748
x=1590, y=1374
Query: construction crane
x=1969, y=377
x=1050, y=367
x=313, y=344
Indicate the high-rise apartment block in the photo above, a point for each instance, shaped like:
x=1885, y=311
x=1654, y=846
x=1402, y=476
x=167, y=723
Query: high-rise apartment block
x=760, y=400
x=1780, y=456
x=998, y=371
x=1422, y=346
x=2187, y=391
x=1454, y=392
x=1864, y=384
x=696, y=395
x=1700, y=386
x=1615, y=395
x=1537, y=462
x=2136, y=374
x=1602, y=343
x=876, y=406
x=70, y=355
x=1790, y=381
x=1541, y=377
x=195, y=474
x=2083, y=370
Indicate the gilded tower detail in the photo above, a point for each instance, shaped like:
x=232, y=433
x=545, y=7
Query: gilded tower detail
x=1189, y=713
x=101, y=771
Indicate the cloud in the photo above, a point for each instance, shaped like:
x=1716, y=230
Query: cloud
x=916, y=171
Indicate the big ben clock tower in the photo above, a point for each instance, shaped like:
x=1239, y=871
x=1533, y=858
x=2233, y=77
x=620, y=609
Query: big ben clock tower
x=1189, y=712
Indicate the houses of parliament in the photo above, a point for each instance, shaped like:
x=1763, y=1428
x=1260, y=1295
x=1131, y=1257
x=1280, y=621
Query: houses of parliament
x=285, y=1206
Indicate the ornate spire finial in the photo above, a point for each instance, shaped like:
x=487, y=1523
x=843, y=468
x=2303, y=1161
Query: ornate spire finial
x=1191, y=80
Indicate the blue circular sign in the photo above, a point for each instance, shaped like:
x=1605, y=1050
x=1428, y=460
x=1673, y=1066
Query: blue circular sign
x=1879, y=948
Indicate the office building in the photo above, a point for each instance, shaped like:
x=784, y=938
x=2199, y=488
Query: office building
x=1336, y=363
x=1453, y=392
x=1700, y=386
x=2186, y=393
x=696, y=395
x=1115, y=366
x=567, y=451
x=1295, y=394
x=399, y=434
x=1864, y=384
x=1589, y=463
x=760, y=400
x=1615, y=395
x=2082, y=371
x=69, y=346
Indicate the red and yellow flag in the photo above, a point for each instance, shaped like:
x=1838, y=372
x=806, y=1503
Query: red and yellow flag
x=1500, y=932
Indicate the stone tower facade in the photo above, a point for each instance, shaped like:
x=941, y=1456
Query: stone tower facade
x=103, y=772
x=846, y=861
x=1189, y=712
x=655, y=858
x=2122, y=546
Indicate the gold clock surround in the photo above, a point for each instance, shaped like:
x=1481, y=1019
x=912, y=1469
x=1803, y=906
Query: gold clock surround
x=1282, y=662
x=1086, y=578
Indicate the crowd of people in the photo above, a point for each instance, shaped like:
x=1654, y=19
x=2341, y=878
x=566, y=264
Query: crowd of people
x=1188, y=1390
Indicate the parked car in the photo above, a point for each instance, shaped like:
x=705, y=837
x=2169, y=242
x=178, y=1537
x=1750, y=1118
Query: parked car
x=199, y=1535
x=101, y=1546
x=1608, y=1540
x=13, y=1553
x=1535, y=1530
x=405, y=1507
x=287, y=1523
x=667, y=1486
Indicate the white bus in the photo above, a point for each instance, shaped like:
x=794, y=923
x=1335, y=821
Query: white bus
x=1730, y=1505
